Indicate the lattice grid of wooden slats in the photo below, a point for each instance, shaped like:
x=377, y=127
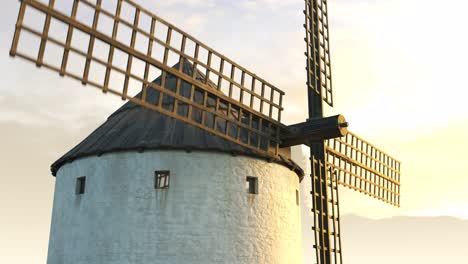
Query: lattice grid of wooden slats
x=325, y=208
x=140, y=46
x=365, y=168
x=318, y=49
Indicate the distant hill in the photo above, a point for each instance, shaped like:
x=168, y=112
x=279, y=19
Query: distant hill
x=404, y=240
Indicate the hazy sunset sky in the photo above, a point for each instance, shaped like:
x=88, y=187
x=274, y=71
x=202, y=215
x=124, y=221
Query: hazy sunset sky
x=399, y=73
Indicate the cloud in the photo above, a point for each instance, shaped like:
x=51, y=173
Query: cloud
x=44, y=98
x=261, y=4
x=208, y=3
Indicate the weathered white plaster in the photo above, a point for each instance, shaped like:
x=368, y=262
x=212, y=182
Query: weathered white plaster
x=206, y=215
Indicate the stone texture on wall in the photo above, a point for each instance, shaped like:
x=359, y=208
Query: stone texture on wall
x=206, y=215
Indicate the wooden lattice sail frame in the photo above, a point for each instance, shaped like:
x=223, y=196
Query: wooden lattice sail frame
x=257, y=102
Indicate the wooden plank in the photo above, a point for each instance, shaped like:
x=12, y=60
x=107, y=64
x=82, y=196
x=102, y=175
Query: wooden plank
x=66, y=50
x=130, y=57
x=110, y=57
x=147, y=64
x=19, y=23
x=45, y=33
x=92, y=39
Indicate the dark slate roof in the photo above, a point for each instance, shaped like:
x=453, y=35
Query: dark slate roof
x=133, y=127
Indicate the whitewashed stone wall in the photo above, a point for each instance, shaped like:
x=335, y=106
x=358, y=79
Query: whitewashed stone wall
x=206, y=215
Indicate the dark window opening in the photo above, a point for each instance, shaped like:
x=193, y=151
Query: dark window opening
x=297, y=197
x=252, y=185
x=80, y=185
x=161, y=179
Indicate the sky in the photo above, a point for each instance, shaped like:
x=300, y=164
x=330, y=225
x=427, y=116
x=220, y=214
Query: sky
x=399, y=79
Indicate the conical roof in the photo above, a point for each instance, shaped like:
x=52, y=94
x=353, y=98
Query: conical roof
x=133, y=127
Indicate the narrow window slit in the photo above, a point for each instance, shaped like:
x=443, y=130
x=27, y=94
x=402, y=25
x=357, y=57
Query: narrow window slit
x=297, y=197
x=80, y=185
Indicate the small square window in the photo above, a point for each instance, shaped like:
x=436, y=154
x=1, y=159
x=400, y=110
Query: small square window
x=161, y=179
x=80, y=185
x=252, y=184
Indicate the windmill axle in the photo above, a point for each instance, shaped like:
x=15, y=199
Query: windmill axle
x=314, y=129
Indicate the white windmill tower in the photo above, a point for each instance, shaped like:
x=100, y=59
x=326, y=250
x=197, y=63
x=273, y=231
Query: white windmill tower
x=145, y=188
x=196, y=168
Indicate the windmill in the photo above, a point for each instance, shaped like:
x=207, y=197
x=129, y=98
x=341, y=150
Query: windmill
x=215, y=94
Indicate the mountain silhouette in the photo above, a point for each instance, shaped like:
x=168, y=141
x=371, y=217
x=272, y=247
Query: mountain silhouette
x=404, y=240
